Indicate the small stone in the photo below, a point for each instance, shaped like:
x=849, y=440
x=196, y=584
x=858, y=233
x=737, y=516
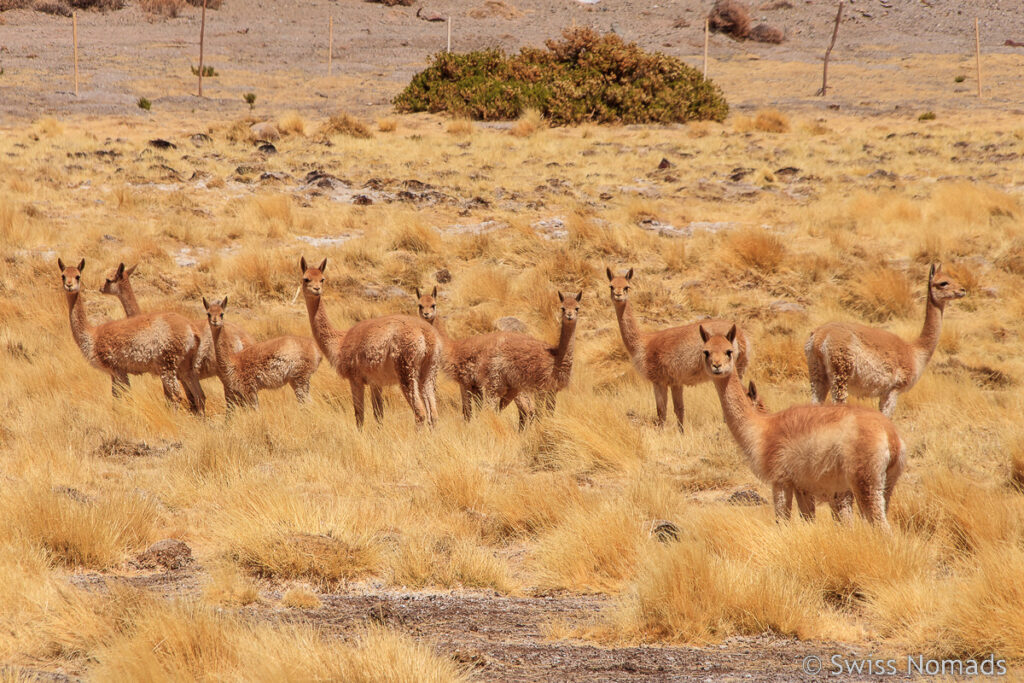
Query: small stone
x=362, y=200
x=746, y=497
x=160, y=143
x=665, y=163
x=267, y=148
x=169, y=553
x=443, y=276
x=265, y=131
x=200, y=139
x=509, y=324
x=664, y=530
x=782, y=306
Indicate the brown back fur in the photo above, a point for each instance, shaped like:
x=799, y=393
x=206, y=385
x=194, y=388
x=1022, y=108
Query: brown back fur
x=162, y=344
x=810, y=451
x=393, y=349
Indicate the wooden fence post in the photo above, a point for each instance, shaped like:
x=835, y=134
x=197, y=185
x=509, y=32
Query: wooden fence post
x=828, y=52
x=202, y=37
x=330, y=43
x=74, y=34
x=977, y=52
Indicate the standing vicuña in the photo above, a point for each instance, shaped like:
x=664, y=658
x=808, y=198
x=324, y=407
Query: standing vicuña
x=393, y=349
x=812, y=451
x=507, y=365
x=868, y=362
x=267, y=365
x=119, y=284
x=162, y=344
x=461, y=358
x=670, y=358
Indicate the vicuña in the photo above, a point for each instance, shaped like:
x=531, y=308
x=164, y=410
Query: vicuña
x=393, y=349
x=670, y=359
x=161, y=344
x=869, y=362
x=268, y=364
x=814, y=452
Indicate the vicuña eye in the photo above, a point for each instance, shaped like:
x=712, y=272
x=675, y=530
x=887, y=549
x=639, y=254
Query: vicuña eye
x=707, y=354
x=729, y=353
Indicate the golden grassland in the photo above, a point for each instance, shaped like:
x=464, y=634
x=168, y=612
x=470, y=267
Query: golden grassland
x=298, y=499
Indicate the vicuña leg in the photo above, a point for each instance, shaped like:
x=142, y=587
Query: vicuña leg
x=410, y=386
x=805, y=502
x=661, y=402
x=301, y=388
x=842, y=507
x=887, y=403
x=782, y=499
x=677, y=406
x=377, y=399
x=358, y=398
x=818, y=375
x=842, y=368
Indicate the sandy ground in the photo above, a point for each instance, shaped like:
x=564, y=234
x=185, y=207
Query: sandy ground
x=279, y=51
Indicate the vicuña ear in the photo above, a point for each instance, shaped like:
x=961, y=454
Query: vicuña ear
x=131, y=270
x=224, y=304
x=60, y=264
x=120, y=271
x=81, y=265
x=418, y=295
x=752, y=391
x=731, y=334
x=704, y=334
x=323, y=265
x=206, y=304
x=608, y=271
x=936, y=267
x=433, y=292
x=302, y=264
x=579, y=296
x=560, y=297
x=629, y=274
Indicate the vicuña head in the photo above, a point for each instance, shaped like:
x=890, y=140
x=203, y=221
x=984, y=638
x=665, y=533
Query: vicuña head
x=215, y=312
x=312, y=278
x=720, y=352
x=71, y=276
x=943, y=288
x=619, y=284
x=427, y=304
x=115, y=280
x=570, y=305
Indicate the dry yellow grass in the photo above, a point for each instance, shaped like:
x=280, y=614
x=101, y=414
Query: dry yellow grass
x=529, y=123
x=287, y=497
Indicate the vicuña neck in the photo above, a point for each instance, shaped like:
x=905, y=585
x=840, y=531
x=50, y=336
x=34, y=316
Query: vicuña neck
x=222, y=354
x=743, y=419
x=628, y=327
x=932, y=329
x=441, y=327
x=80, y=328
x=564, y=352
x=323, y=332
x=126, y=295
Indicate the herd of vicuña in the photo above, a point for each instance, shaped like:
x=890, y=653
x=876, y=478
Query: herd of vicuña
x=815, y=452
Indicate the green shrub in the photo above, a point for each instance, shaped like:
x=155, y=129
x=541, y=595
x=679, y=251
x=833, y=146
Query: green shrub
x=208, y=71
x=582, y=77
x=927, y=116
x=144, y=103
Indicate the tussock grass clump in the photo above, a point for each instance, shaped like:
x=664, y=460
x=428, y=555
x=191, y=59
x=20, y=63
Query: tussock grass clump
x=300, y=597
x=756, y=249
x=732, y=18
x=291, y=123
x=582, y=77
x=687, y=594
x=771, y=121
x=387, y=125
x=164, y=8
x=880, y=294
x=344, y=123
x=528, y=123
x=77, y=531
x=318, y=558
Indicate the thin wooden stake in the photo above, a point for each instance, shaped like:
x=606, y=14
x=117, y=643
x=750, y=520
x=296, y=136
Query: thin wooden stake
x=449, y=34
x=977, y=52
x=828, y=52
x=202, y=37
x=707, y=33
x=74, y=33
x=330, y=43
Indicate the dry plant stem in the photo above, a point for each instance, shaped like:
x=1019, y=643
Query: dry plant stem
x=202, y=38
x=977, y=52
x=828, y=52
x=74, y=32
x=707, y=37
x=330, y=43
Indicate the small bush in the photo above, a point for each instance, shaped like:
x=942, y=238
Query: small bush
x=927, y=116
x=393, y=3
x=732, y=18
x=144, y=103
x=102, y=5
x=386, y=125
x=771, y=121
x=250, y=98
x=960, y=79
x=57, y=7
x=210, y=4
x=165, y=8
x=582, y=77
x=208, y=71
x=344, y=123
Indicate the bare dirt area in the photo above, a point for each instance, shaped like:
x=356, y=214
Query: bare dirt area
x=279, y=51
